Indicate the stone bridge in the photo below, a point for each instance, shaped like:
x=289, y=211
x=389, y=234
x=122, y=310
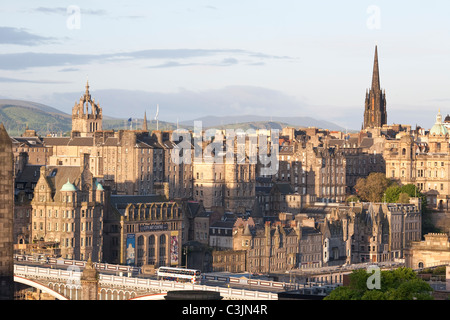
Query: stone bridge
x=66, y=285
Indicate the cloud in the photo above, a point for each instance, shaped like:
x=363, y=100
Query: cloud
x=69, y=70
x=25, y=60
x=9, y=35
x=171, y=64
x=13, y=80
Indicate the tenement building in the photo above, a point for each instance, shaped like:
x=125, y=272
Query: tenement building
x=6, y=216
x=372, y=232
x=268, y=249
x=67, y=212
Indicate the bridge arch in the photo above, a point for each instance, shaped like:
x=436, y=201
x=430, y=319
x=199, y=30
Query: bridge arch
x=39, y=286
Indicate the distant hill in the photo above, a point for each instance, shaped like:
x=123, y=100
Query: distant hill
x=17, y=114
x=263, y=122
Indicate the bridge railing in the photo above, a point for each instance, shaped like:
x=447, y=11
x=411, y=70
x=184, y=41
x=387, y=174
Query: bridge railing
x=138, y=284
x=67, y=262
x=161, y=285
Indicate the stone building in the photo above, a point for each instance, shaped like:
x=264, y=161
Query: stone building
x=423, y=161
x=371, y=232
x=6, y=216
x=25, y=183
x=221, y=235
x=29, y=149
x=220, y=182
x=67, y=212
x=310, y=247
x=433, y=251
x=143, y=230
x=230, y=261
x=128, y=161
x=271, y=248
x=86, y=116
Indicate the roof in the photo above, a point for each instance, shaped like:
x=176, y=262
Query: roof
x=127, y=199
x=309, y=230
x=366, y=142
x=223, y=224
x=30, y=173
x=68, y=187
x=56, y=141
x=284, y=188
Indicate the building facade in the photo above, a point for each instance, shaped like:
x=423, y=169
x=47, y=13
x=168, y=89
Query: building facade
x=67, y=212
x=6, y=216
x=422, y=160
x=433, y=251
x=144, y=231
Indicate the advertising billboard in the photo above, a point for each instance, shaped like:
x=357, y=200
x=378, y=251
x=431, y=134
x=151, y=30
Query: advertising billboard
x=131, y=249
x=174, y=248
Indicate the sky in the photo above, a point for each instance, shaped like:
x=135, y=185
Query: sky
x=213, y=57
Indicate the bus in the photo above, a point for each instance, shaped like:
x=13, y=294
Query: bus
x=179, y=274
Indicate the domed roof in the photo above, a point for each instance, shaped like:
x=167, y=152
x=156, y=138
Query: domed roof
x=438, y=128
x=68, y=186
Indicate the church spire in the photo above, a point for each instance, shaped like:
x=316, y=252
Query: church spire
x=376, y=72
x=375, y=115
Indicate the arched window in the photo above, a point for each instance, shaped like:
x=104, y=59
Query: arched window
x=151, y=250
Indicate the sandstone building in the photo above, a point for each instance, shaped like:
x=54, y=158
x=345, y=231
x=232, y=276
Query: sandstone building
x=143, y=230
x=6, y=216
x=422, y=160
x=433, y=251
x=67, y=212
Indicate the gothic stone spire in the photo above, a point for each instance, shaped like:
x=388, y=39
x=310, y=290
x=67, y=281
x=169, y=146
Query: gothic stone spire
x=376, y=72
x=375, y=106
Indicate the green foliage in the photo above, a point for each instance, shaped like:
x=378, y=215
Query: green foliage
x=352, y=198
x=397, y=284
x=403, y=198
x=392, y=194
x=373, y=187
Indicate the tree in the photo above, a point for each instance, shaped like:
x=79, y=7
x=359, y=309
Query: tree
x=373, y=187
x=403, y=198
x=397, y=284
x=352, y=198
x=392, y=193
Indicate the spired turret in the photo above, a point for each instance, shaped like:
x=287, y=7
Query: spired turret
x=86, y=116
x=375, y=115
